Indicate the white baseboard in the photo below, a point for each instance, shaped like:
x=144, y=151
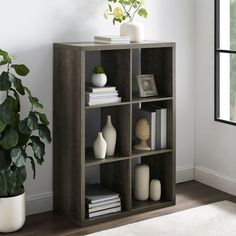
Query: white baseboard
x=184, y=174
x=39, y=203
x=215, y=180
x=44, y=202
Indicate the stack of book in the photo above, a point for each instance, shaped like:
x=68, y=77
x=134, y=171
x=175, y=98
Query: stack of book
x=101, y=201
x=157, y=119
x=103, y=95
x=110, y=39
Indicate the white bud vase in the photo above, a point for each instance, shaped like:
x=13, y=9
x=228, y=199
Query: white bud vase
x=155, y=190
x=100, y=147
x=141, y=182
x=109, y=134
x=133, y=30
x=99, y=80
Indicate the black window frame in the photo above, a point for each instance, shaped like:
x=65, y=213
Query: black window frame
x=217, y=52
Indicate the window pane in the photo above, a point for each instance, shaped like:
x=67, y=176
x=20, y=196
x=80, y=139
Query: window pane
x=227, y=85
x=228, y=24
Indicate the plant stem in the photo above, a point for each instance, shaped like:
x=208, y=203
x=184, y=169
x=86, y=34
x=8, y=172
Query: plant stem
x=137, y=9
x=127, y=12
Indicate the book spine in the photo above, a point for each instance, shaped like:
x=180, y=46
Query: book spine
x=163, y=128
x=104, y=207
x=92, y=205
x=158, y=129
x=104, y=212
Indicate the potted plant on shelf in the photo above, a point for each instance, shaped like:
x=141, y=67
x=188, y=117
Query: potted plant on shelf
x=121, y=10
x=99, y=78
x=21, y=139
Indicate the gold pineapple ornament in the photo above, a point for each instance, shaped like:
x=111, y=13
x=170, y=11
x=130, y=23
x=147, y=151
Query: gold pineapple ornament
x=142, y=131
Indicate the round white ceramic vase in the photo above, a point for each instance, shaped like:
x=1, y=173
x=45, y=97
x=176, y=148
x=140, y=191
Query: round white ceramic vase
x=100, y=147
x=155, y=190
x=12, y=213
x=133, y=30
x=109, y=134
x=99, y=80
x=141, y=182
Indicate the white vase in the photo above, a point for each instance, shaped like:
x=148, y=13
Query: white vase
x=100, y=147
x=141, y=182
x=155, y=190
x=99, y=80
x=12, y=213
x=133, y=30
x=109, y=134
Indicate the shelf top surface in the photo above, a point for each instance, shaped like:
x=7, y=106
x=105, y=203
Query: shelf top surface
x=101, y=46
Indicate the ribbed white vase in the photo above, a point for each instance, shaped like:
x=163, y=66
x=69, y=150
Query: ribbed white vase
x=109, y=134
x=133, y=30
x=141, y=182
x=12, y=213
x=100, y=147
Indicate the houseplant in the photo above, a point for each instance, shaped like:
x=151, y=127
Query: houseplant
x=21, y=139
x=121, y=10
x=99, y=78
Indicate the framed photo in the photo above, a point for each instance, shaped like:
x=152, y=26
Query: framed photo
x=146, y=85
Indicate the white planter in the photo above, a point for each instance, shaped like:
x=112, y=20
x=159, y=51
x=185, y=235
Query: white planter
x=155, y=190
x=133, y=30
x=141, y=182
x=100, y=147
x=12, y=213
x=109, y=134
x=99, y=80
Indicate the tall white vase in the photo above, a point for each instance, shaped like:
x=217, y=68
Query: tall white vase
x=12, y=213
x=133, y=30
x=100, y=147
x=109, y=134
x=141, y=182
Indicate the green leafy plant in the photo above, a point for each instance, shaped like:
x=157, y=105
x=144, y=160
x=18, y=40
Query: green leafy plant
x=98, y=70
x=18, y=136
x=121, y=10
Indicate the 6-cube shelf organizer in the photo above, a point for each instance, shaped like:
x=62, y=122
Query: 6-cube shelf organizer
x=76, y=124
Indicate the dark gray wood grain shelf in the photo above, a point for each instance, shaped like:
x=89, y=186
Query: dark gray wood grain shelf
x=75, y=124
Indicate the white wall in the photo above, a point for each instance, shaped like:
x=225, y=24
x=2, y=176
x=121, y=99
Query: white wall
x=28, y=29
x=215, y=147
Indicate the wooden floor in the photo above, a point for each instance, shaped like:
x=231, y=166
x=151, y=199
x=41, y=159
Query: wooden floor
x=189, y=195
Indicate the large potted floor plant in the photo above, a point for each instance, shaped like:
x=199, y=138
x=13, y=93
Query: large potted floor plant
x=22, y=139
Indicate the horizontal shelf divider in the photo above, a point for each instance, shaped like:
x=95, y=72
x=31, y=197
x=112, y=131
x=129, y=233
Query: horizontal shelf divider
x=90, y=160
x=136, y=154
x=108, y=105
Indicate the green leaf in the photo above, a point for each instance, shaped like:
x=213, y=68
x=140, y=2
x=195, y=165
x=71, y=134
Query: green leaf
x=110, y=8
x=6, y=57
x=43, y=118
x=32, y=121
x=143, y=12
x=5, y=83
x=44, y=133
x=33, y=100
x=17, y=84
x=3, y=185
x=20, y=176
x=23, y=128
x=2, y=126
x=18, y=157
x=38, y=148
x=9, y=138
x=21, y=70
x=5, y=161
x=32, y=165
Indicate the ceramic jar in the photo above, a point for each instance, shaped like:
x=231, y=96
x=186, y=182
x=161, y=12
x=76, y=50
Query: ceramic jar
x=99, y=80
x=100, y=147
x=133, y=30
x=12, y=213
x=109, y=134
x=155, y=190
x=141, y=182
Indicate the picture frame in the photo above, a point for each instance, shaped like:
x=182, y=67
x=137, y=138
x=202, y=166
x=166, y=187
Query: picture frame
x=146, y=85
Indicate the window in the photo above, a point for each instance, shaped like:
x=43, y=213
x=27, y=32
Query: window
x=225, y=61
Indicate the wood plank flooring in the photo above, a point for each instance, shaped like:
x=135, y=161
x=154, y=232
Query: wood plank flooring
x=189, y=195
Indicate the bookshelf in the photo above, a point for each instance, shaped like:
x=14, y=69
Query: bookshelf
x=76, y=125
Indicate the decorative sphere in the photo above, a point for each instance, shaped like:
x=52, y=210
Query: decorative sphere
x=142, y=129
